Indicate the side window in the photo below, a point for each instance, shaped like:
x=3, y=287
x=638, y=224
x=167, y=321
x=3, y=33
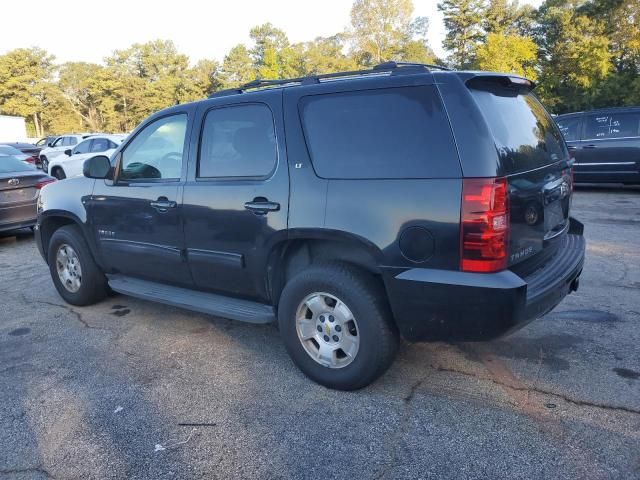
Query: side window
x=156, y=151
x=83, y=147
x=384, y=133
x=99, y=145
x=238, y=141
x=58, y=142
x=614, y=125
x=570, y=128
x=71, y=141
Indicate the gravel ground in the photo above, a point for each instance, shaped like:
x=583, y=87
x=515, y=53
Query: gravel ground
x=132, y=389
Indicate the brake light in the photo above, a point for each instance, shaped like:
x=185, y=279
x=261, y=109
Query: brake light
x=484, y=225
x=44, y=182
x=30, y=160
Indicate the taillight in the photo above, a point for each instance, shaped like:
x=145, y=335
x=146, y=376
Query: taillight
x=44, y=182
x=484, y=225
x=30, y=160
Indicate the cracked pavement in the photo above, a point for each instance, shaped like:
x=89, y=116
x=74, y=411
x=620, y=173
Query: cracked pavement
x=132, y=389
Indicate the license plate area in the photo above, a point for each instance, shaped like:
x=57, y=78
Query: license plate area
x=554, y=219
x=17, y=195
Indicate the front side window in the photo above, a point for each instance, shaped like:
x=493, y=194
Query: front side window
x=59, y=142
x=70, y=141
x=385, y=133
x=99, y=145
x=614, y=125
x=570, y=128
x=83, y=147
x=238, y=141
x=156, y=151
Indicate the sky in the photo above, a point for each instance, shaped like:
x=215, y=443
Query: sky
x=81, y=30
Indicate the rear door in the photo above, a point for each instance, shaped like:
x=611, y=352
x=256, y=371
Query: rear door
x=236, y=198
x=610, y=150
x=534, y=158
x=571, y=128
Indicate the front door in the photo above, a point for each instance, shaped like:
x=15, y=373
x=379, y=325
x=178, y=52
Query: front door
x=137, y=217
x=237, y=193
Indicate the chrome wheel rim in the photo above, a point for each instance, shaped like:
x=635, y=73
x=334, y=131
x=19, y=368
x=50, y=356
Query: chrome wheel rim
x=68, y=268
x=327, y=330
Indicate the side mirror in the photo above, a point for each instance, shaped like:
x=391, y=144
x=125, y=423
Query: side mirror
x=67, y=152
x=98, y=167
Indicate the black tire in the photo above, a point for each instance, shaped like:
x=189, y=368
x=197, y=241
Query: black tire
x=93, y=285
x=44, y=163
x=365, y=297
x=58, y=172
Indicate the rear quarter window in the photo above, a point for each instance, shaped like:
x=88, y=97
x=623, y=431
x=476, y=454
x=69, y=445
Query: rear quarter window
x=525, y=135
x=383, y=133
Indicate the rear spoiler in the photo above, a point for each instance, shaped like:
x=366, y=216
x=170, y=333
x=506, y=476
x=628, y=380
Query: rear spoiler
x=488, y=81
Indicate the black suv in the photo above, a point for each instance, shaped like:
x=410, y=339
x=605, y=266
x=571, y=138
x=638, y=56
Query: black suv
x=605, y=143
x=351, y=208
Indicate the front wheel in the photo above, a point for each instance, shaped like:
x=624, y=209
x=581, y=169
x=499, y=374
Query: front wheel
x=75, y=274
x=45, y=164
x=337, y=326
x=58, y=172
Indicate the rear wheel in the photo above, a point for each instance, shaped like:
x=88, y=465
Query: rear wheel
x=45, y=164
x=58, y=172
x=337, y=326
x=75, y=274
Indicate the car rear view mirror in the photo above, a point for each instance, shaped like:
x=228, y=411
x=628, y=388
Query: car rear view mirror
x=97, y=167
x=67, y=152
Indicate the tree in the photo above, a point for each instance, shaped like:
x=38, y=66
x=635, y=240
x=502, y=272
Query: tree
x=325, y=55
x=574, y=55
x=26, y=84
x=509, y=54
x=237, y=67
x=380, y=29
x=463, y=21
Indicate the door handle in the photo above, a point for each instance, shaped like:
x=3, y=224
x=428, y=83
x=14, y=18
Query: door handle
x=262, y=206
x=163, y=204
x=590, y=146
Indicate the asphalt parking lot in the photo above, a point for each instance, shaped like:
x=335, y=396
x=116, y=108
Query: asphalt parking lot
x=131, y=389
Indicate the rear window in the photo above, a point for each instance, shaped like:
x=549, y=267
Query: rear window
x=570, y=128
x=525, y=135
x=385, y=133
x=11, y=164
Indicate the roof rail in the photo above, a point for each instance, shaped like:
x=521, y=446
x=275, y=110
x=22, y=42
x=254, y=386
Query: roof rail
x=392, y=67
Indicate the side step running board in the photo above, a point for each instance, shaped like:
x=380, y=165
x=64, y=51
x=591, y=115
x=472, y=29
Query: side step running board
x=212, y=304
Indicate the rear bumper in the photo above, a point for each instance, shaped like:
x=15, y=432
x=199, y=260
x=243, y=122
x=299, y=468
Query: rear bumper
x=13, y=217
x=459, y=306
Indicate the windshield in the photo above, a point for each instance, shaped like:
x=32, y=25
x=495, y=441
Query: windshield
x=10, y=164
x=526, y=136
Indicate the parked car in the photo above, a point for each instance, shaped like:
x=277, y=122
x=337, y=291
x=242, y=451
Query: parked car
x=46, y=141
x=70, y=164
x=605, y=144
x=20, y=186
x=8, y=150
x=27, y=149
x=58, y=147
x=352, y=208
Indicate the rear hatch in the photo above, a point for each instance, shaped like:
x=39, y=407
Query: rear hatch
x=536, y=164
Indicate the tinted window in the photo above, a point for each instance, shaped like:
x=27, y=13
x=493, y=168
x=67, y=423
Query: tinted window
x=83, y=147
x=525, y=134
x=11, y=164
x=72, y=140
x=569, y=128
x=238, y=142
x=156, y=151
x=59, y=142
x=99, y=145
x=386, y=133
x=614, y=125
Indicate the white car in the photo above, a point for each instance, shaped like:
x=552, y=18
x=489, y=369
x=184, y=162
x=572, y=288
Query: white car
x=70, y=163
x=58, y=147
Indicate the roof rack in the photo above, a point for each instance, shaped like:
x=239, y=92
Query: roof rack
x=382, y=68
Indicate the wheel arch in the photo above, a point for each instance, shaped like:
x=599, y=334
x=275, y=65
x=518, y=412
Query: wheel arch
x=50, y=221
x=304, y=247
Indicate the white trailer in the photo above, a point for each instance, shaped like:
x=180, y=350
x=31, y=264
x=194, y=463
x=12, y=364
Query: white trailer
x=12, y=129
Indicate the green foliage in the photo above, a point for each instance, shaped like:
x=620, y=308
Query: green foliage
x=584, y=54
x=508, y=53
x=463, y=21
